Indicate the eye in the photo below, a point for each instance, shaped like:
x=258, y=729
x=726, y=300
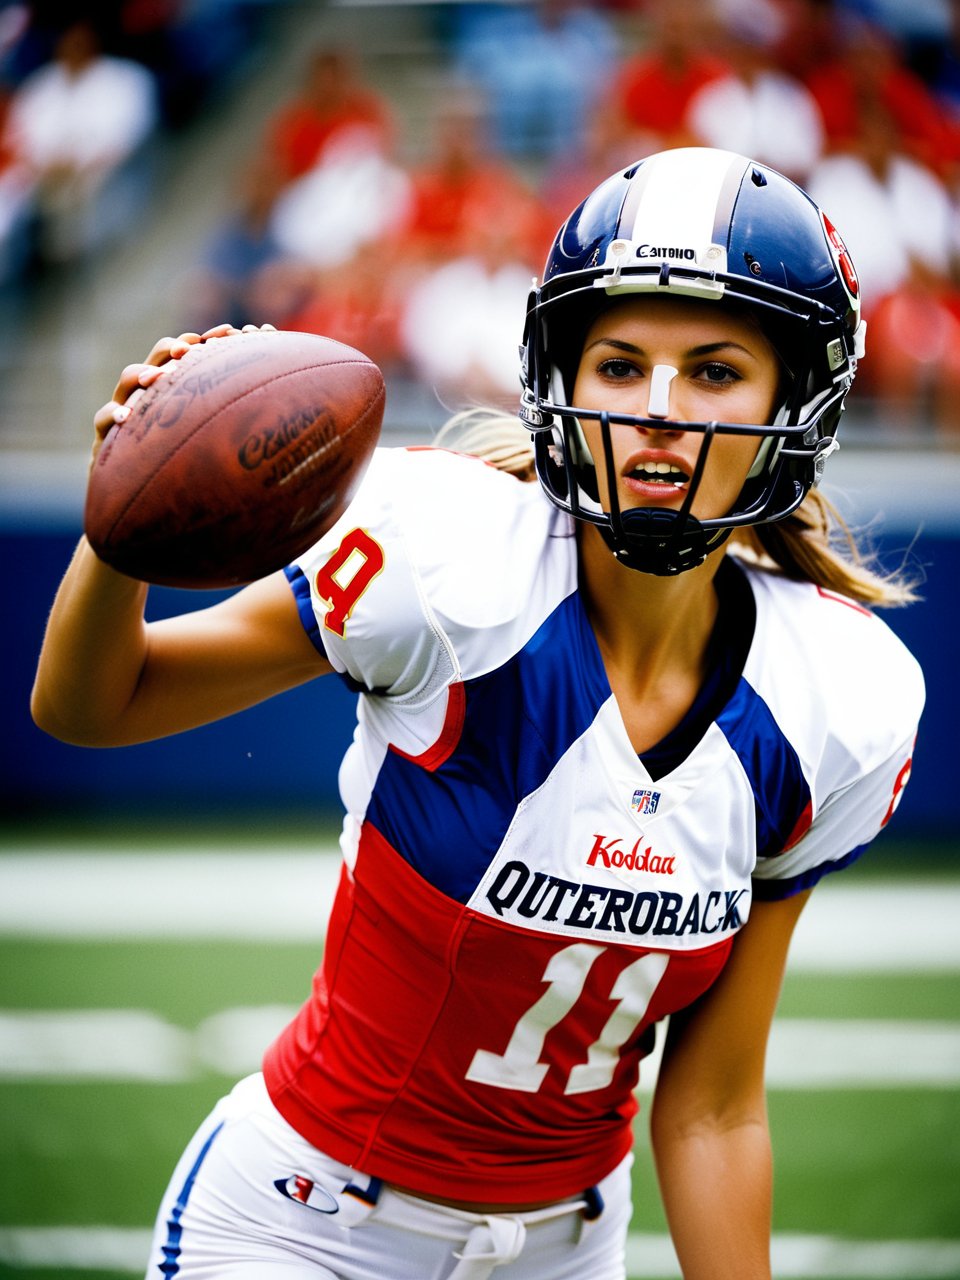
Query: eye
x=718, y=375
x=617, y=369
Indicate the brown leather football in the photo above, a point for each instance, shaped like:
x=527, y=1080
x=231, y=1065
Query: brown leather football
x=237, y=459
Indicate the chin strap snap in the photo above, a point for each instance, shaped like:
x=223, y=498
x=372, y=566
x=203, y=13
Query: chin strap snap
x=663, y=543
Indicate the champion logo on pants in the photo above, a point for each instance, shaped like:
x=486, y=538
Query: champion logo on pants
x=306, y=1192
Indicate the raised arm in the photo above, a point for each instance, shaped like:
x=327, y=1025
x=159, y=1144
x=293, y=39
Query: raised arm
x=106, y=677
x=709, y=1121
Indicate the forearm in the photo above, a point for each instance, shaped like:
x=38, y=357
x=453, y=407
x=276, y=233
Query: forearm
x=716, y=1185
x=709, y=1120
x=106, y=678
x=93, y=651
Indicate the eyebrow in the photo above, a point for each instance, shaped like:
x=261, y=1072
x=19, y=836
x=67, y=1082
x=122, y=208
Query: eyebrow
x=705, y=349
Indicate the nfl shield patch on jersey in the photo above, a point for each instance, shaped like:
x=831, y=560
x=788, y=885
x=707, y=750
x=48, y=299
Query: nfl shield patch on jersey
x=645, y=801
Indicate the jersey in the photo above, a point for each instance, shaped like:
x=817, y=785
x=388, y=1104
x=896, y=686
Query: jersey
x=523, y=897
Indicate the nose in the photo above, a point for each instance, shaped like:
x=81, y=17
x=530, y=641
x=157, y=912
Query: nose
x=658, y=401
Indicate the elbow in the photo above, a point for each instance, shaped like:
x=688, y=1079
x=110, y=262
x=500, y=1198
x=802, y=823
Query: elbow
x=700, y=1109
x=670, y=1128
x=51, y=725
x=76, y=731
x=691, y=1125
x=43, y=716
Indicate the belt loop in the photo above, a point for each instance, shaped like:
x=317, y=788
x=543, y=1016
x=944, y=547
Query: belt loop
x=357, y=1203
x=593, y=1204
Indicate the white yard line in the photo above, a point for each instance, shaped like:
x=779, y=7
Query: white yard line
x=801, y=1257
x=649, y=1257
x=80, y=1248
x=285, y=896
x=133, y=1044
x=94, y=1044
x=278, y=896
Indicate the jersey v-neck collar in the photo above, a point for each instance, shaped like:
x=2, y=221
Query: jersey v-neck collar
x=727, y=651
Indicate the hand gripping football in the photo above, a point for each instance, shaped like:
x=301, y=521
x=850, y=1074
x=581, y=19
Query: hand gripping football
x=237, y=459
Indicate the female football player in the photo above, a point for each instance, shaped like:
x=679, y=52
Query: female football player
x=612, y=729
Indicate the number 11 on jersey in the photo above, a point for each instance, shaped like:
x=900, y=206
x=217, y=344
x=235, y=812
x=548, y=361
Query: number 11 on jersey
x=519, y=1066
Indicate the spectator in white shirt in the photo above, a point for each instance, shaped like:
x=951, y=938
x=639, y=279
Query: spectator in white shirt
x=74, y=126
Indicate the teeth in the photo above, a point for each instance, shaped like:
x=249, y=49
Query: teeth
x=660, y=470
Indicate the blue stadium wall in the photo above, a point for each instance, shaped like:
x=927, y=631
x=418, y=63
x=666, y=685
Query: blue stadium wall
x=282, y=757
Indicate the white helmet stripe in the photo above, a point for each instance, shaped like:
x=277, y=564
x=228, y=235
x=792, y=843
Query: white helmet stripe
x=666, y=216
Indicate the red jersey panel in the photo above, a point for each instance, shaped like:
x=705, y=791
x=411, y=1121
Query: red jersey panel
x=504, y=1073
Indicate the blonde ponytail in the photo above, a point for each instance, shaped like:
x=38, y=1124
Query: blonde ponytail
x=815, y=544
x=498, y=437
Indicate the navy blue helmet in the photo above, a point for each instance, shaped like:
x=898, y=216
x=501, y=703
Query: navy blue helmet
x=706, y=224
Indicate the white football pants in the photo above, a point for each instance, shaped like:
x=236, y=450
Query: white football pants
x=252, y=1200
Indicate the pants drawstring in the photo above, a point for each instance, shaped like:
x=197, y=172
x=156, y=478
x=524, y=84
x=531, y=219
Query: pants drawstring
x=489, y=1245
x=500, y=1239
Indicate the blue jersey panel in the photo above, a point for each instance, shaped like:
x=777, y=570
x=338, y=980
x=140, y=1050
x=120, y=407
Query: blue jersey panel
x=780, y=790
x=301, y=594
x=519, y=721
x=787, y=886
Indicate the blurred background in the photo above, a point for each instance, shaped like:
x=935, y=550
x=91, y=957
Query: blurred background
x=392, y=175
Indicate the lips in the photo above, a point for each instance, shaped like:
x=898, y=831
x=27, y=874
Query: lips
x=656, y=473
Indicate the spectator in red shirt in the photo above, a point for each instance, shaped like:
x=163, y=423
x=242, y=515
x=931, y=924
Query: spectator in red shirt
x=332, y=101
x=462, y=183
x=651, y=94
x=867, y=78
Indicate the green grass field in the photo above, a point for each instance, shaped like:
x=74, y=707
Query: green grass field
x=874, y=1163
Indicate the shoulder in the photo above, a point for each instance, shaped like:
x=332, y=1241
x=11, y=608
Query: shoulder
x=491, y=553
x=449, y=504
x=824, y=628
x=847, y=695
x=827, y=663
x=437, y=552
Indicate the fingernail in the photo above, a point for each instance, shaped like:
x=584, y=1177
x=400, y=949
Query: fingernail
x=121, y=414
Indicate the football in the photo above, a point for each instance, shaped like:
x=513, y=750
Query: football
x=237, y=459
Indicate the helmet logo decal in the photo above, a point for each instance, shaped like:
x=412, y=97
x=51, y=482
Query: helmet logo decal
x=653, y=251
x=626, y=256
x=844, y=261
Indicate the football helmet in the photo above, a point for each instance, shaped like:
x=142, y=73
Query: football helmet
x=709, y=224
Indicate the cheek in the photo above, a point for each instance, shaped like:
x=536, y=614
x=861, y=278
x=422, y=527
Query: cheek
x=752, y=404
x=729, y=463
x=762, y=403
x=588, y=393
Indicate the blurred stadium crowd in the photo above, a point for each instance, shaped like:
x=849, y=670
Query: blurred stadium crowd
x=420, y=250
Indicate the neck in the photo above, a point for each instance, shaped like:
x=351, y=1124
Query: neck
x=648, y=628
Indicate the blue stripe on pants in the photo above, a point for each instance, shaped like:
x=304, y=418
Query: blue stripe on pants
x=171, y=1250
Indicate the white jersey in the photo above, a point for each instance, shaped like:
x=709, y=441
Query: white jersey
x=564, y=892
